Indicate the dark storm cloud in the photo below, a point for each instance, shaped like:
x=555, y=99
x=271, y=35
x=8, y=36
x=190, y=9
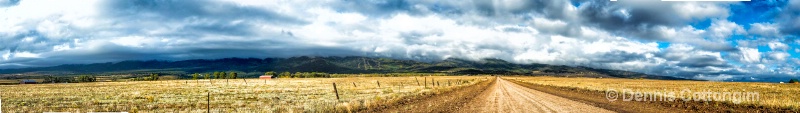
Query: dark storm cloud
x=31, y=41
x=605, y=14
x=172, y=10
x=617, y=57
x=642, y=19
x=202, y=16
x=703, y=61
x=789, y=18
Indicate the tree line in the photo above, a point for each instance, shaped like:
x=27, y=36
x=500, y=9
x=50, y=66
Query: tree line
x=216, y=75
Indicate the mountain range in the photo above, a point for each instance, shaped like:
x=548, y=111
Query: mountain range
x=332, y=64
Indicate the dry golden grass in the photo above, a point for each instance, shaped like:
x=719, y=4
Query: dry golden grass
x=9, y=81
x=277, y=95
x=771, y=94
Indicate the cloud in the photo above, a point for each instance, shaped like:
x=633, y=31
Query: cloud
x=779, y=56
x=721, y=29
x=778, y=46
x=8, y=3
x=789, y=18
x=713, y=77
x=764, y=29
x=749, y=55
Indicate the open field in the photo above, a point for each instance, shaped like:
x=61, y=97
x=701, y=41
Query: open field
x=782, y=96
x=236, y=95
x=9, y=81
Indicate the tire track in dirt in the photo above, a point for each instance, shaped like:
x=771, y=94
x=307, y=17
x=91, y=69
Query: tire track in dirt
x=506, y=97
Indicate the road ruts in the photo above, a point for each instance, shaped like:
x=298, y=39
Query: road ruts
x=507, y=97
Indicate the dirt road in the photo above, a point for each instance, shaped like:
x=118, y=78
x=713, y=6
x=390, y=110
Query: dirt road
x=507, y=97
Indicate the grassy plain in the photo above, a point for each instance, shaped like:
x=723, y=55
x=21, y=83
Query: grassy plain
x=235, y=95
x=770, y=94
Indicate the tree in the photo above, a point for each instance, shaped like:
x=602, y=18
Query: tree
x=285, y=75
x=207, y=75
x=86, y=78
x=222, y=75
x=794, y=81
x=51, y=79
x=270, y=73
x=233, y=75
x=216, y=75
x=297, y=75
x=194, y=76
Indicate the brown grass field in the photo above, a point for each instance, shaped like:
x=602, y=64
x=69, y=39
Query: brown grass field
x=770, y=94
x=236, y=95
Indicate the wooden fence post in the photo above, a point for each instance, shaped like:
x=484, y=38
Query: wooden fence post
x=245, y=81
x=415, y=78
x=379, y=84
x=433, y=82
x=336, y=91
x=354, y=84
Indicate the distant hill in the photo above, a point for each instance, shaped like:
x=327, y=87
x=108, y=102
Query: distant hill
x=350, y=64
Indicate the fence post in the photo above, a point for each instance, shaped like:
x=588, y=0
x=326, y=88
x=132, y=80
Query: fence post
x=336, y=91
x=415, y=78
x=433, y=82
x=379, y=84
x=425, y=80
x=245, y=81
x=354, y=84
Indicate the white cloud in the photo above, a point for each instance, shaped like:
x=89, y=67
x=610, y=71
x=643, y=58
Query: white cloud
x=722, y=29
x=136, y=41
x=749, y=55
x=764, y=29
x=62, y=47
x=694, y=10
x=774, y=45
x=6, y=55
x=722, y=77
x=780, y=56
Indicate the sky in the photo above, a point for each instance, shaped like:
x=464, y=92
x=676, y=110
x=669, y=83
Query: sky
x=721, y=41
